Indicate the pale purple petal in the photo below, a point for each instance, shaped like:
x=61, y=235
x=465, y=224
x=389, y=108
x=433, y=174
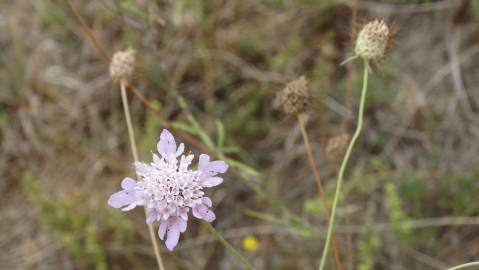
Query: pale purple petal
x=129, y=207
x=156, y=159
x=183, y=214
x=141, y=168
x=202, y=211
x=167, y=145
x=128, y=183
x=118, y=200
x=217, y=166
x=172, y=236
x=196, y=213
x=208, y=215
x=181, y=225
x=211, y=181
x=180, y=149
x=203, y=162
x=151, y=216
x=211, y=168
x=162, y=229
x=207, y=201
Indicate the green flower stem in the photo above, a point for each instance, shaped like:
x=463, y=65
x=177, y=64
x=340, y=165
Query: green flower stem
x=225, y=243
x=343, y=166
x=464, y=265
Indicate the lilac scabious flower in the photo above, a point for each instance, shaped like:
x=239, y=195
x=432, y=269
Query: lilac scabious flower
x=168, y=189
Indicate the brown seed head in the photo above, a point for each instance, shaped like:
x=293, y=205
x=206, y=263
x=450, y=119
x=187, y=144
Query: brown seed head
x=122, y=65
x=372, y=41
x=295, y=98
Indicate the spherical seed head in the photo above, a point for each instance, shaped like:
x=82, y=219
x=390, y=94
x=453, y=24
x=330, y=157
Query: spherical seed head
x=295, y=98
x=372, y=41
x=122, y=65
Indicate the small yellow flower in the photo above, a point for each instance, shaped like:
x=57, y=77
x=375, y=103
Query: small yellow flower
x=250, y=243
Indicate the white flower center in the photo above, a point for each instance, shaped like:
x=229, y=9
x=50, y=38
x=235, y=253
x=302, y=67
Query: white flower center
x=169, y=186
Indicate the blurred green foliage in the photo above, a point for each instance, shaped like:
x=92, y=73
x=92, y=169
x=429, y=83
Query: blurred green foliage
x=313, y=206
x=79, y=226
x=394, y=206
x=369, y=244
x=149, y=134
x=54, y=16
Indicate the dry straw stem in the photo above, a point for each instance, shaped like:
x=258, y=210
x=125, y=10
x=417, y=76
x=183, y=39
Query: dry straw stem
x=295, y=99
x=134, y=152
x=88, y=31
x=322, y=193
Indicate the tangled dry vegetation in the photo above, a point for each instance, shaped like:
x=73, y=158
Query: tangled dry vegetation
x=410, y=195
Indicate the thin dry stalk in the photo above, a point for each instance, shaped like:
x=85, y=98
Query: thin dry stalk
x=134, y=152
x=96, y=43
x=88, y=31
x=322, y=193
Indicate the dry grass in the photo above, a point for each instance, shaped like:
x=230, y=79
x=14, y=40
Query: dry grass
x=62, y=129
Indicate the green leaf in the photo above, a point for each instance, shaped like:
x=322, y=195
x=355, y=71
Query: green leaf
x=184, y=127
x=130, y=6
x=220, y=128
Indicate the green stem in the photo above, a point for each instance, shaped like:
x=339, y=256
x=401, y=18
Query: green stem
x=343, y=166
x=225, y=243
x=464, y=265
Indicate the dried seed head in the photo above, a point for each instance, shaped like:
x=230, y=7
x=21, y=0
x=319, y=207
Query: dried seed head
x=335, y=146
x=295, y=98
x=122, y=65
x=372, y=41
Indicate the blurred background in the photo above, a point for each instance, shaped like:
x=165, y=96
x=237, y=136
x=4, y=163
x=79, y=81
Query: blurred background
x=210, y=71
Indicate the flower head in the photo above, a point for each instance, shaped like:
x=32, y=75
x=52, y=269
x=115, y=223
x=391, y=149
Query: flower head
x=372, y=41
x=168, y=189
